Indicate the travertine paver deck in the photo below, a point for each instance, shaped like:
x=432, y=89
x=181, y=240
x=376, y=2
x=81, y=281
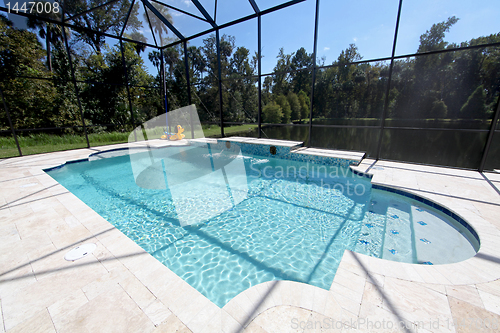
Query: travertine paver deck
x=121, y=288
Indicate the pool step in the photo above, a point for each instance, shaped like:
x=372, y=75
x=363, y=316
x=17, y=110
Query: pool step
x=371, y=236
x=398, y=237
x=386, y=231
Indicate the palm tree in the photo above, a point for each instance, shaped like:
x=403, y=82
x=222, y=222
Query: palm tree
x=158, y=26
x=137, y=36
x=171, y=56
x=52, y=33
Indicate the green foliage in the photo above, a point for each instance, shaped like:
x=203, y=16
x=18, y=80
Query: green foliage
x=475, y=107
x=30, y=101
x=302, y=79
x=272, y=113
x=293, y=101
x=158, y=26
x=433, y=39
x=106, y=19
x=305, y=104
x=439, y=109
x=282, y=101
x=281, y=78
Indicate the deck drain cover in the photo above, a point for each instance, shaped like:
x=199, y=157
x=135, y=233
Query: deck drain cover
x=80, y=252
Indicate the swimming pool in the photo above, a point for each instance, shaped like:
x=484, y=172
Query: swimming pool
x=225, y=220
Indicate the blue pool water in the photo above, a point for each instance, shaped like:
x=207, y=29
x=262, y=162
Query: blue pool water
x=224, y=221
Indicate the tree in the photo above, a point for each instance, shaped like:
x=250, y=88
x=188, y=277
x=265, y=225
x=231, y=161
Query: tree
x=272, y=114
x=475, y=107
x=158, y=26
x=266, y=89
x=240, y=64
x=285, y=108
x=281, y=77
x=439, y=109
x=293, y=101
x=304, y=104
x=108, y=103
x=171, y=57
x=52, y=33
x=196, y=61
x=433, y=39
x=107, y=19
x=210, y=84
x=301, y=80
x=30, y=101
x=136, y=35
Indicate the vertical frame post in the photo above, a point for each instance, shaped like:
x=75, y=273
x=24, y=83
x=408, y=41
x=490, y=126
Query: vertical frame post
x=259, y=69
x=77, y=92
x=164, y=88
x=188, y=82
x=217, y=36
x=487, y=146
x=316, y=18
x=125, y=70
x=386, y=102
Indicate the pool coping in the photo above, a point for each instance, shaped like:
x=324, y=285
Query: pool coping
x=345, y=299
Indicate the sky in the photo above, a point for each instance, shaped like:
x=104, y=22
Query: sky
x=369, y=24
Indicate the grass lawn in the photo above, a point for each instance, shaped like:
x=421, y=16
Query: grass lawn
x=44, y=143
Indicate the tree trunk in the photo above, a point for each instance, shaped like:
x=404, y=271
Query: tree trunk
x=47, y=46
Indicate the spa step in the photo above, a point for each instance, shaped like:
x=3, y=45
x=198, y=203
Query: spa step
x=398, y=238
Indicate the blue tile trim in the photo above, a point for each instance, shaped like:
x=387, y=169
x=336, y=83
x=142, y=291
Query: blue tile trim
x=431, y=204
x=54, y=168
x=118, y=149
x=107, y=151
x=93, y=154
x=77, y=161
x=68, y=162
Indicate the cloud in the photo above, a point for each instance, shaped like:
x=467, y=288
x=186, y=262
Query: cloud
x=326, y=48
x=355, y=39
x=187, y=2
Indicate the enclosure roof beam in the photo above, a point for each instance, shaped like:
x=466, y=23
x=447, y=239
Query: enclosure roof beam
x=126, y=18
x=163, y=19
x=72, y=26
x=254, y=6
x=243, y=19
x=91, y=9
x=180, y=10
x=204, y=13
x=150, y=26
